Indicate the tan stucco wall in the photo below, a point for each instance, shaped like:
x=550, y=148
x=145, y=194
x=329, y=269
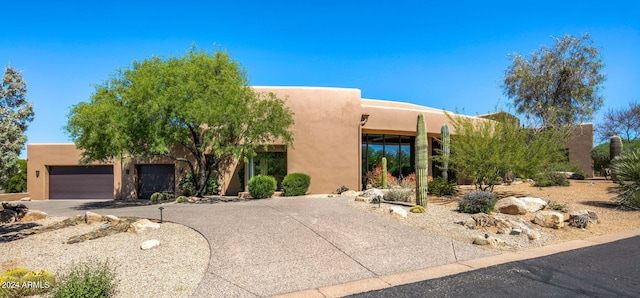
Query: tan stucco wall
x=580, y=146
x=13, y=196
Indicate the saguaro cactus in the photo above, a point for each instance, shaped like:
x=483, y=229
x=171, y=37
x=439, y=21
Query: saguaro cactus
x=446, y=150
x=422, y=162
x=615, y=149
x=384, y=172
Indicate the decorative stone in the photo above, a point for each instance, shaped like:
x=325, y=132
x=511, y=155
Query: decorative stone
x=534, y=204
x=511, y=205
x=532, y=234
x=363, y=199
x=349, y=193
x=32, y=215
x=111, y=218
x=579, y=220
x=399, y=211
x=373, y=193
x=8, y=216
x=92, y=217
x=149, y=244
x=549, y=219
x=143, y=225
x=19, y=208
x=25, y=199
x=341, y=190
x=525, y=228
x=487, y=240
x=593, y=217
x=516, y=231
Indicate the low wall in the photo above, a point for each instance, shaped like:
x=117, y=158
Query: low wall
x=13, y=196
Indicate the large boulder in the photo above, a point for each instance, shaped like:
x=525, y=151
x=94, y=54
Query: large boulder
x=8, y=216
x=399, y=211
x=32, y=215
x=92, y=217
x=511, y=205
x=549, y=219
x=373, y=193
x=581, y=218
x=19, y=208
x=534, y=204
x=143, y=225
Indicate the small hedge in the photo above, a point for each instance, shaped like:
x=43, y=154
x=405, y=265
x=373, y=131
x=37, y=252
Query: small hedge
x=441, y=187
x=296, y=184
x=262, y=186
x=547, y=179
x=161, y=196
x=88, y=279
x=476, y=202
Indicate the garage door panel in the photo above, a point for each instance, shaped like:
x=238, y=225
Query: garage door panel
x=156, y=178
x=79, y=182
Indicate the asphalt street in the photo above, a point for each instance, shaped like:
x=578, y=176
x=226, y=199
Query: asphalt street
x=607, y=270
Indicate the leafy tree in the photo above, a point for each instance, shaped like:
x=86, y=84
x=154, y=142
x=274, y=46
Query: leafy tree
x=558, y=85
x=485, y=150
x=198, y=109
x=623, y=122
x=15, y=115
x=17, y=182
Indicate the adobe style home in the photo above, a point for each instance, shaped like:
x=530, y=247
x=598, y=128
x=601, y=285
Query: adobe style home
x=338, y=137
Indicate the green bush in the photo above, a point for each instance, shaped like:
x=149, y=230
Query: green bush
x=417, y=209
x=187, y=185
x=477, y=201
x=399, y=194
x=155, y=197
x=627, y=168
x=17, y=182
x=296, y=184
x=39, y=281
x=182, y=199
x=550, y=179
x=161, y=196
x=262, y=186
x=88, y=279
x=441, y=187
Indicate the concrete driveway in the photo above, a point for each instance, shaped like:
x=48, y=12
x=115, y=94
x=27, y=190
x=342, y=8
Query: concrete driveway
x=282, y=245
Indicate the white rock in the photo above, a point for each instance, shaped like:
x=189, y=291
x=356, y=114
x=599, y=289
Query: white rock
x=349, y=193
x=484, y=240
x=25, y=199
x=363, y=199
x=398, y=211
x=511, y=205
x=111, y=218
x=373, y=193
x=143, y=225
x=549, y=219
x=149, y=244
x=534, y=204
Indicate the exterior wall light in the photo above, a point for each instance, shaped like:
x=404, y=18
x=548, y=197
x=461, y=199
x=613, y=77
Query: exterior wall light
x=37, y=173
x=363, y=119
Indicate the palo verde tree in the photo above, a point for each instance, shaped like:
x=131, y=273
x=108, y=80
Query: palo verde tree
x=484, y=150
x=558, y=85
x=197, y=109
x=15, y=115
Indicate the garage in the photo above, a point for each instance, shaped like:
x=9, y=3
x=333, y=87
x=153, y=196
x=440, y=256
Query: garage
x=80, y=182
x=156, y=178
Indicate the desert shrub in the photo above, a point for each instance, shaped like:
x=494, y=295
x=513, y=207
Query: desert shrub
x=262, y=186
x=38, y=281
x=155, y=197
x=441, y=187
x=627, y=168
x=187, y=185
x=88, y=279
x=409, y=181
x=556, y=206
x=477, y=201
x=549, y=178
x=399, y=194
x=161, y=196
x=296, y=184
x=182, y=199
x=374, y=177
x=417, y=209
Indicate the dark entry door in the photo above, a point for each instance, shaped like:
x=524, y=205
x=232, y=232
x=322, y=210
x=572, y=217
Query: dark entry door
x=156, y=178
x=80, y=182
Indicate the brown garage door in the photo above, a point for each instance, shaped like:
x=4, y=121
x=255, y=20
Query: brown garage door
x=156, y=178
x=79, y=182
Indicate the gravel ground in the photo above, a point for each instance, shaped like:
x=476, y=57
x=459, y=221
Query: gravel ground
x=172, y=269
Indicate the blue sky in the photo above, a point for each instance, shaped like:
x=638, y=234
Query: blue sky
x=449, y=56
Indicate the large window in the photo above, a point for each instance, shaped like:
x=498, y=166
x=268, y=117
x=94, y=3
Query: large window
x=399, y=151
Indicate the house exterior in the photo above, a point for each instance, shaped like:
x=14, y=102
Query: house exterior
x=338, y=137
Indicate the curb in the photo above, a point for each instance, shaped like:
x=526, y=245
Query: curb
x=397, y=279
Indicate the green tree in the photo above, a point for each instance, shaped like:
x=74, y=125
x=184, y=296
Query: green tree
x=484, y=150
x=198, y=109
x=18, y=181
x=559, y=85
x=15, y=115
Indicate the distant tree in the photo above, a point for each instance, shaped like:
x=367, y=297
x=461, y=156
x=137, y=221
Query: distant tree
x=18, y=181
x=485, y=150
x=559, y=85
x=623, y=122
x=200, y=105
x=15, y=115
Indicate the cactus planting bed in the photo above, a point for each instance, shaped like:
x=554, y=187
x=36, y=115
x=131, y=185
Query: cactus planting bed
x=594, y=195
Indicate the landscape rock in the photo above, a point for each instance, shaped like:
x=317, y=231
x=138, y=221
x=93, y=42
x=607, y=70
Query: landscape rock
x=19, y=208
x=524, y=228
x=32, y=215
x=111, y=218
x=25, y=199
x=398, y=211
x=349, y=193
x=341, y=190
x=487, y=240
x=8, y=216
x=143, y=225
x=511, y=205
x=149, y=244
x=532, y=234
x=549, y=219
x=534, y=204
x=579, y=220
x=593, y=217
x=363, y=199
x=92, y=217
x=373, y=193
